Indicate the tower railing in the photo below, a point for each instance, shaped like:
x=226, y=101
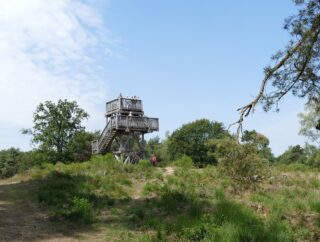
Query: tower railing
x=125, y=118
x=124, y=104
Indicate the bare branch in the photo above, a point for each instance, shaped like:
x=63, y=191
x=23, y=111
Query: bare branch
x=247, y=109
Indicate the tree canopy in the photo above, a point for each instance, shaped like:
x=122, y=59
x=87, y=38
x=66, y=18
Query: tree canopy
x=191, y=140
x=260, y=141
x=294, y=154
x=9, y=160
x=55, y=125
x=309, y=122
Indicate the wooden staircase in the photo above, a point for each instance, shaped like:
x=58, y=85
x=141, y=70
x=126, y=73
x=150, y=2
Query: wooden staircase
x=124, y=116
x=103, y=144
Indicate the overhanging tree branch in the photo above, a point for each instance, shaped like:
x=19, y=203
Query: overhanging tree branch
x=246, y=110
x=281, y=73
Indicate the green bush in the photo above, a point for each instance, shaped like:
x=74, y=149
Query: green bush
x=294, y=154
x=144, y=164
x=81, y=211
x=294, y=167
x=184, y=162
x=314, y=159
x=242, y=163
x=10, y=160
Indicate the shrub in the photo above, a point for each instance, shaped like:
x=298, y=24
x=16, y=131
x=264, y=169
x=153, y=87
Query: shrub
x=9, y=162
x=144, y=164
x=241, y=162
x=81, y=211
x=294, y=154
x=184, y=162
x=314, y=159
x=294, y=167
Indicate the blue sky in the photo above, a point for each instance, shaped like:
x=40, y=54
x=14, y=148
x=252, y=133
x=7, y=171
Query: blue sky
x=186, y=60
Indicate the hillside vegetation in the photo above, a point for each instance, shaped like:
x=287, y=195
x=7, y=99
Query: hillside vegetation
x=207, y=186
x=176, y=203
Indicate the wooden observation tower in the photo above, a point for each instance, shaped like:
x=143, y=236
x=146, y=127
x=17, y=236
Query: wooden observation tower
x=125, y=129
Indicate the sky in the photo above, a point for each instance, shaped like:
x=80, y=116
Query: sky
x=185, y=59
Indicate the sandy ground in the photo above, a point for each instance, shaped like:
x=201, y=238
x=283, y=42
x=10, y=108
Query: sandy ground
x=22, y=219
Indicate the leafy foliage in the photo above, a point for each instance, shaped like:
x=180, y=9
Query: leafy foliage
x=296, y=68
x=309, y=121
x=158, y=147
x=185, y=205
x=260, y=141
x=55, y=125
x=191, y=140
x=79, y=148
x=9, y=162
x=184, y=162
x=241, y=162
x=300, y=73
x=294, y=154
x=308, y=155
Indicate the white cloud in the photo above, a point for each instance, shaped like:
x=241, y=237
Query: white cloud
x=50, y=50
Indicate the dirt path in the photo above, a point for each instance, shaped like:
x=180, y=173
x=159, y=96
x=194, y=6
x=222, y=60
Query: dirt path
x=168, y=171
x=21, y=218
x=138, y=190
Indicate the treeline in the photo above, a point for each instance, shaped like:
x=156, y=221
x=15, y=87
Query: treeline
x=60, y=137
x=13, y=160
x=57, y=133
x=200, y=141
x=308, y=155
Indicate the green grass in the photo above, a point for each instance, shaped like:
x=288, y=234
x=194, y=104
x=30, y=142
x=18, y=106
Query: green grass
x=143, y=203
x=77, y=191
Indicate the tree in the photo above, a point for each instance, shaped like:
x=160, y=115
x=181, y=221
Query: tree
x=313, y=155
x=9, y=162
x=191, y=140
x=260, y=141
x=55, y=125
x=79, y=147
x=296, y=68
x=294, y=154
x=309, y=122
